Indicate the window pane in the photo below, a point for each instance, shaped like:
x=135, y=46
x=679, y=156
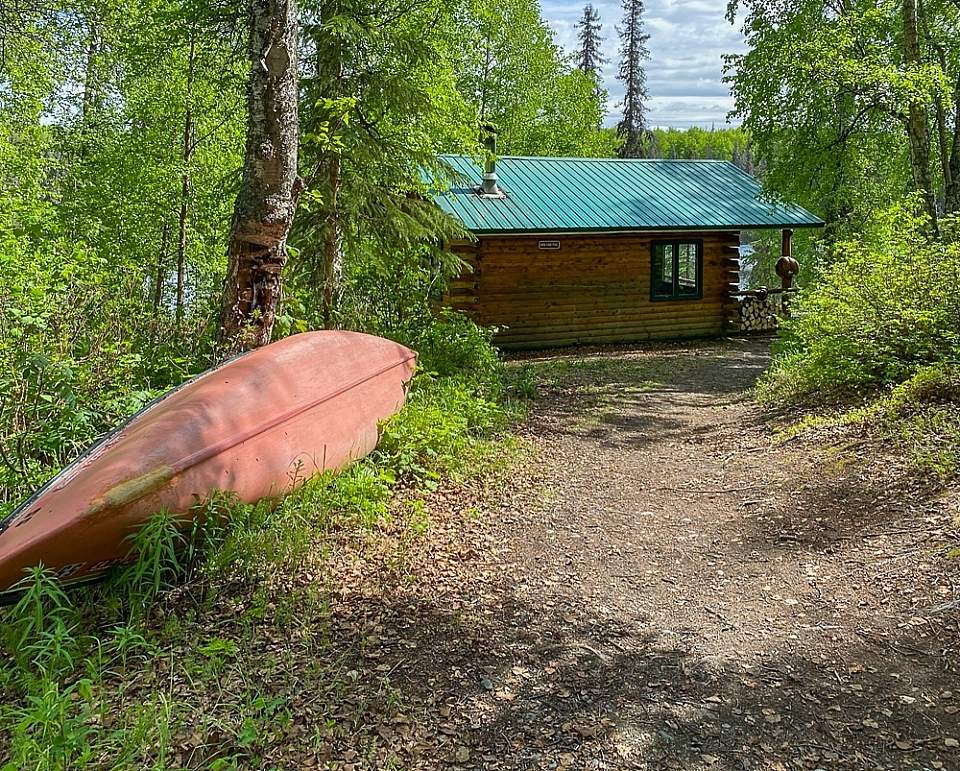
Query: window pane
x=687, y=271
x=663, y=270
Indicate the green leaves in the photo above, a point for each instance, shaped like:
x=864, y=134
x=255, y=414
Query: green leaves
x=93, y=106
x=824, y=95
x=884, y=310
x=520, y=80
x=154, y=559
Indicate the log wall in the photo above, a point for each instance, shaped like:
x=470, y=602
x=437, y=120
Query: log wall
x=593, y=289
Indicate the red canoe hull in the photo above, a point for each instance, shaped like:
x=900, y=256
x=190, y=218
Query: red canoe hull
x=257, y=426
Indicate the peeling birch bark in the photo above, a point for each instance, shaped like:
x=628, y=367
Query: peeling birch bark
x=267, y=200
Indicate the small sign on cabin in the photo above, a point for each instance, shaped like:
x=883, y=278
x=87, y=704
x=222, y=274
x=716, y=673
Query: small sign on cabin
x=551, y=245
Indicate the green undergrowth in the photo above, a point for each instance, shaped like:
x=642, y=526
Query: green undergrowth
x=918, y=419
x=89, y=678
x=874, y=345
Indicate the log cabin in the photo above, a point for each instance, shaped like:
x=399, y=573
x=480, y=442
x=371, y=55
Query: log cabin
x=570, y=251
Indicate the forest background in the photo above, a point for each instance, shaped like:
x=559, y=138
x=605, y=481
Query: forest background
x=121, y=146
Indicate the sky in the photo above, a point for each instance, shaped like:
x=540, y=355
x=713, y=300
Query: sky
x=688, y=39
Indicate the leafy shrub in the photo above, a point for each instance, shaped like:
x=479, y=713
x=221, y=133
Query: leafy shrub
x=72, y=328
x=884, y=310
x=250, y=542
x=51, y=729
x=389, y=290
x=360, y=493
x=156, y=558
x=437, y=432
x=39, y=633
x=452, y=344
x=396, y=294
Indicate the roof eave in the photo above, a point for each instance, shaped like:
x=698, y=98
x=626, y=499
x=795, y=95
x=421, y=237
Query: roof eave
x=656, y=229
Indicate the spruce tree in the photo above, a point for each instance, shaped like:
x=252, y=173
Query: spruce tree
x=590, y=55
x=632, y=128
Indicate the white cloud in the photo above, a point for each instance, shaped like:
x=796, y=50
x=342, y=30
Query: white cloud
x=688, y=40
x=686, y=111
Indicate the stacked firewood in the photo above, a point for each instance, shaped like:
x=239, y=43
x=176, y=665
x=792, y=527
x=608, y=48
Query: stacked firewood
x=759, y=312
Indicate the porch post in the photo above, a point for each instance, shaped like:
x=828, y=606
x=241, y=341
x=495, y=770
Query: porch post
x=787, y=268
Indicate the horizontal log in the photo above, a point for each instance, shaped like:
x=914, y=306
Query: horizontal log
x=501, y=243
x=639, y=337
x=611, y=331
x=575, y=288
x=608, y=329
x=586, y=268
x=501, y=305
x=589, y=318
x=579, y=244
x=638, y=288
x=589, y=266
x=613, y=277
x=603, y=306
x=614, y=250
x=601, y=315
x=625, y=282
x=597, y=293
x=590, y=324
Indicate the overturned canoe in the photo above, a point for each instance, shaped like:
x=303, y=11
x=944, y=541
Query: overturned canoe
x=257, y=425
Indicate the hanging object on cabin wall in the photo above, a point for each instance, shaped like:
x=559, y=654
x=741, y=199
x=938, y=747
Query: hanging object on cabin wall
x=549, y=245
x=787, y=268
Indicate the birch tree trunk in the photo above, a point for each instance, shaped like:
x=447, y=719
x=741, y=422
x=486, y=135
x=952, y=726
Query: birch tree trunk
x=332, y=256
x=186, y=156
x=267, y=200
x=952, y=169
x=161, y=270
x=918, y=128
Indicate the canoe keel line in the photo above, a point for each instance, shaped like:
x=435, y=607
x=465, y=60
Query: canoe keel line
x=250, y=426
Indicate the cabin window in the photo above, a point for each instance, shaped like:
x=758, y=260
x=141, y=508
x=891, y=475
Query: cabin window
x=677, y=270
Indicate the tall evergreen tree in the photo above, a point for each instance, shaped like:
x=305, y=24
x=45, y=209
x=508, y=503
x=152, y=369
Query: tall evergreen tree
x=380, y=101
x=590, y=55
x=632, y=128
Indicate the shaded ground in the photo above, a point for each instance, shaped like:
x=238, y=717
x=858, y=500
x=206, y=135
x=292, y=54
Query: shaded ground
x=659, y=585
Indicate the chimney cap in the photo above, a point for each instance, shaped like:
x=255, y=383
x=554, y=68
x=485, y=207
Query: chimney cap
x=490, y=187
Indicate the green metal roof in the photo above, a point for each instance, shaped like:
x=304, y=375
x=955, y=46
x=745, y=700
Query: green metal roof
x=557, y=195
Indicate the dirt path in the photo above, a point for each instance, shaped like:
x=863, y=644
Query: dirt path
x=662, y=587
